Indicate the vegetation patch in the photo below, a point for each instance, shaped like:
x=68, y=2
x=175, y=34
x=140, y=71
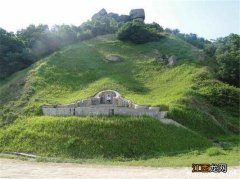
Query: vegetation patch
x=138, y=32
x=213, y=151
x=90, y=137
x=78, y=71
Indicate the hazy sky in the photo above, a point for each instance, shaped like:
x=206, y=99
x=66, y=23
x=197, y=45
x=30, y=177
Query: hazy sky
x=207, y=18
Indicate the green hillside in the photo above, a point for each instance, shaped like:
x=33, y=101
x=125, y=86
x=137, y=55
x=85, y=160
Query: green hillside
x=80, y=70
x=90, y=137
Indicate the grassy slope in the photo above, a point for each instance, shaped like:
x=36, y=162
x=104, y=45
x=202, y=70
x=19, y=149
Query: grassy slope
x=98, y=137
x=80, y=71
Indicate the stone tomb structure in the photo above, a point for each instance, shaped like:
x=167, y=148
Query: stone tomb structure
x=106, y=102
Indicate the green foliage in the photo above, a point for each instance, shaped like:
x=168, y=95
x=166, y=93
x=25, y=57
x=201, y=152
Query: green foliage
x=104, y=26
x=155, y=26
x=138, y=32
x=43, y=41
x=192, y=95
x=227, y=54
x=13, y=54
x=191, y=38
x=196, y=120
x=84, y=35
x=210, y=49
x=91, y=137
x=100, y=26
x=229, y=64
x=80, y=71
x=231, y=157
x=219, y=101
x=64, y=35
x=213, y=151
x=220, y=94
x=28, y=45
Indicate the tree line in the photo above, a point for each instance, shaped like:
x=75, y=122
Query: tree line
x=26, y=46
x=21, y=49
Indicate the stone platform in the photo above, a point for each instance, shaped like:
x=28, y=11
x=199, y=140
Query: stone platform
x=107, y=103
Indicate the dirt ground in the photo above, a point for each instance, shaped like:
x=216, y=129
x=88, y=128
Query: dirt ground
x=11, y=168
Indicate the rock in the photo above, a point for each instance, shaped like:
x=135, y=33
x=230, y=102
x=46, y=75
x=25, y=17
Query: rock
x=137, y=14
x=101, y=13
x=164, y=59
x=172, y=60
x=166, y=56
x=121, y=18
x=161, y=60
x=157, y=53
x=113, y=58
x=153, y=108
x=113, y=15
x=140, y=107
x=124, y=18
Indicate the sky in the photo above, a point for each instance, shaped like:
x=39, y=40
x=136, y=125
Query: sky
x=207, y=18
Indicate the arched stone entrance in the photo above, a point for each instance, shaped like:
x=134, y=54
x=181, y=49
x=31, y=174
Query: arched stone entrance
x=107, y=96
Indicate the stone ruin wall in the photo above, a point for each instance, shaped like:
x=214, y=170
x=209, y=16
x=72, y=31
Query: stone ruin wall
x=98, y=111
x=93, y=106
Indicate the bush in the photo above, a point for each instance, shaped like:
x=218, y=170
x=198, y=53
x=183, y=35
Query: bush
x=155, y=26
x=220, y=94
x=228, y=70
x=100, y=26
x=138, y=32
x=85, y=35
x=227, y=55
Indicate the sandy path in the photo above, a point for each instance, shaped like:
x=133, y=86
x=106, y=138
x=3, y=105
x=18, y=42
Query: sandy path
x=10, y=168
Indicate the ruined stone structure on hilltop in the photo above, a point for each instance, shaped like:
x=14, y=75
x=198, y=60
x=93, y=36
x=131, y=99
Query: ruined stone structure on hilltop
x=137, y=14
x=133, y=14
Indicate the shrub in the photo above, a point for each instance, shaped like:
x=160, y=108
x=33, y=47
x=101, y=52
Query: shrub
x=85, y=35
x=138, y=32
x=227, y=55
x=220, y=94
x=228, y=70
x=155, y=26
x=100, y=26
